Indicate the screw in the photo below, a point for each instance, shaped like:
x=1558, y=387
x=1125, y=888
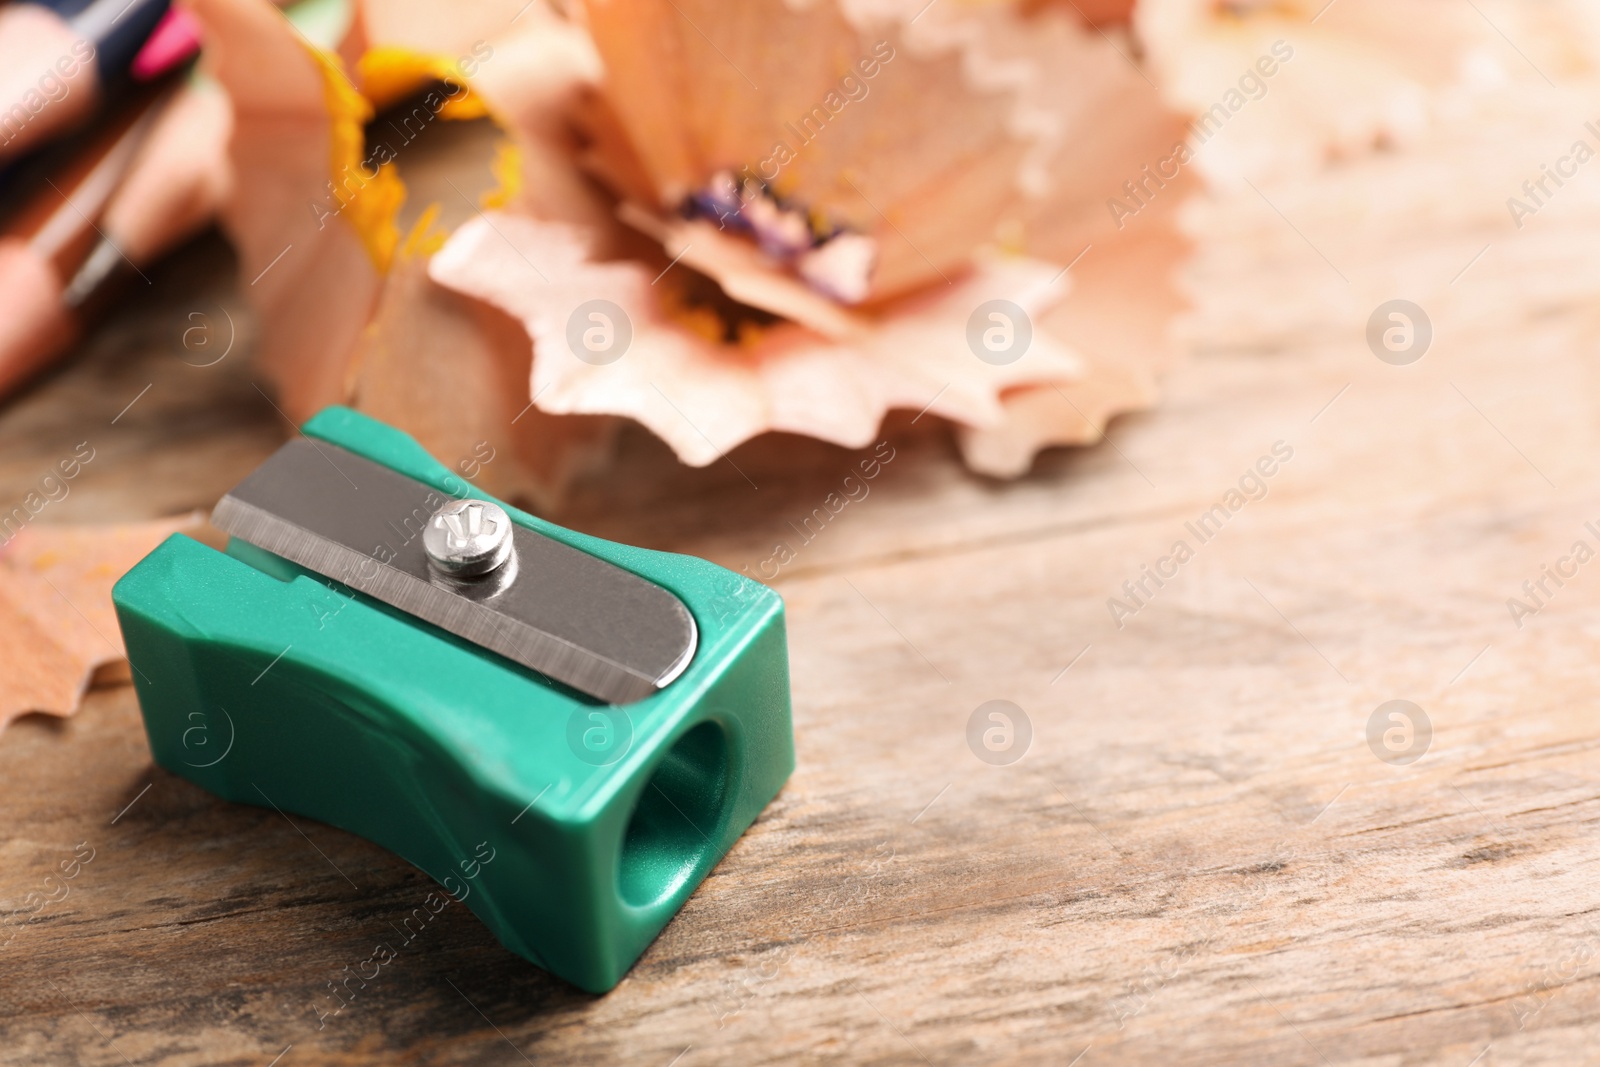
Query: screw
x=466, y=538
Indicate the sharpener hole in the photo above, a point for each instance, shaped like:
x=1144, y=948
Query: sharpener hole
x=678, y=817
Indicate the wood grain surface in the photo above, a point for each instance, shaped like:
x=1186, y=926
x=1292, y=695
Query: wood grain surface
x=1199, y=858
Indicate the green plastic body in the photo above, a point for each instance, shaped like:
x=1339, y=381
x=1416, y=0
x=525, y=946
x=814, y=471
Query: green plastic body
x=575, y=835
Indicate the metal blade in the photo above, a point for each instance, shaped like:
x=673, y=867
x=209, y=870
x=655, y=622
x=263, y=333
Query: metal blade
x=560, y=611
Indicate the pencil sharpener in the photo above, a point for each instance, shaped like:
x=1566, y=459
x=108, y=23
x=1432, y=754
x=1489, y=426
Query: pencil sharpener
x=566, y=733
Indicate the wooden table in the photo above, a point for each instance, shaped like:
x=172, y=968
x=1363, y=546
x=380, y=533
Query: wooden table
x=1200, y=859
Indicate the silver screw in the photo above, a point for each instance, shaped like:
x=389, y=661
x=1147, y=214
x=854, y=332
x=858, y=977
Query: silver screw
x=466, y=538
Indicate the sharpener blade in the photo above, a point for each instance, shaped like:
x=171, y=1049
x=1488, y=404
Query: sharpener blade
x=555, y=609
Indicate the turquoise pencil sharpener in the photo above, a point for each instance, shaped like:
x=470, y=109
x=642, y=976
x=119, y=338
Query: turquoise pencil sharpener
x=565, y=733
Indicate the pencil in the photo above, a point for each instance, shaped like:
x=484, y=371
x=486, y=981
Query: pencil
x=58, y=60
x=49, y=240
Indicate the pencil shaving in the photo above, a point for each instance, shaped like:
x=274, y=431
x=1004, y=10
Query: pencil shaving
x=737, y=324
x=57, y=626
x=313, y=276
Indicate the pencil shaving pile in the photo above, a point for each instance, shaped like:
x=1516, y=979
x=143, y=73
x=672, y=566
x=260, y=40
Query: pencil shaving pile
x=717, y=220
